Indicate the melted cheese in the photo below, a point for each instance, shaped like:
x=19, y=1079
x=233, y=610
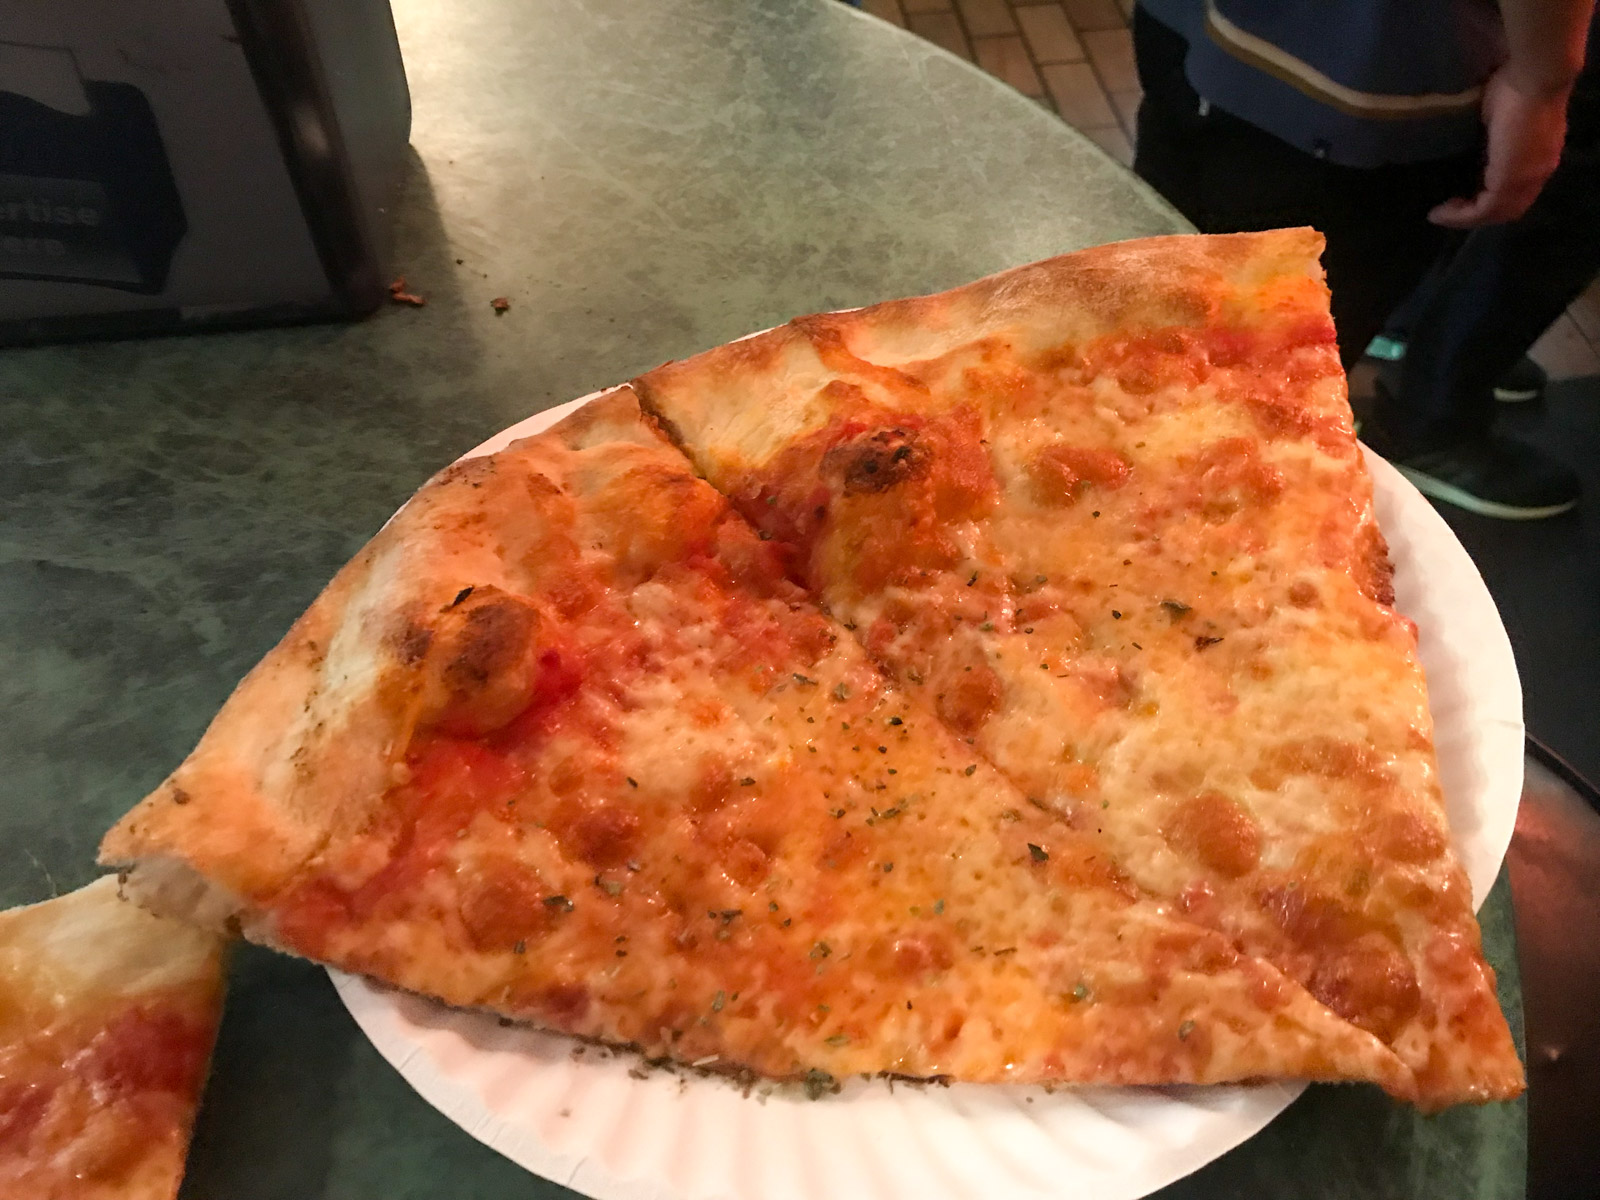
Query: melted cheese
x=717, y=831
x=1102, y=759
x=107, y=1015
x=1159, y=606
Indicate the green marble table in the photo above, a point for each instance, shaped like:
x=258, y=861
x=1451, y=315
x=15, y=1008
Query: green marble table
x=641, y=178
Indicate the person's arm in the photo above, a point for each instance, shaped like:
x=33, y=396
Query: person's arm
x=1524, y=110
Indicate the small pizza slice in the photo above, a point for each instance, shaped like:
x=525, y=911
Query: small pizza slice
x=1108, y=516
x=107, y=1018
x=564, y=743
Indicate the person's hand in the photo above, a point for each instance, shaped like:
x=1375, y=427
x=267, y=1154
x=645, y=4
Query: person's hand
x=1526, y=127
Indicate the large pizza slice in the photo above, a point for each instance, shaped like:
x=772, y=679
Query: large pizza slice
x=1106, y=514
x=107, y=1017
x=564, y=743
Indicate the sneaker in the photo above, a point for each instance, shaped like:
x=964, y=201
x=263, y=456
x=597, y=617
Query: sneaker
x=1386, y=349
x=1494, y=477
x=1525, y=381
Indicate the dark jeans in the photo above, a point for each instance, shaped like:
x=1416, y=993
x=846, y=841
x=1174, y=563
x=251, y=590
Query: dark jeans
x=1483, y=305
x=1227, y=176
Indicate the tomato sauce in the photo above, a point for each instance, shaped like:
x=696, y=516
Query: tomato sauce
x=135, y=1074
x=582, y=673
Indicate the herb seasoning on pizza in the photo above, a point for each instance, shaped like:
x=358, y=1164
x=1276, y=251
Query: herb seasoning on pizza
x=1106, y=514
x=564, y=743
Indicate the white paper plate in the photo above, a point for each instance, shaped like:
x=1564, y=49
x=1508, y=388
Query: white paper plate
x=587, y=1123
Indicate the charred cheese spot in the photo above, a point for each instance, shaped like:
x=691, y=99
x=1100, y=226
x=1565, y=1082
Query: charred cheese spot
x=1056, y=359
x=1353, y=968
x=1271, y=991
x=501, y=904
x=411, y=644
x=483, y=663
x=494, y=637
x=1230, y=475
x=1332, y=759
x=1060, y=474
x=1220, y=832
x=1278, y=416
x=1303, y=594
x=1078, y=862
x=970, y=697
x=1370, y=983
x=961, y=478
x=1310, y=918
x=1145, y=363
x=1373, y=571
x=746, y=861
x=1409, y=837
x=879, y=491
x=562, y=1005
x=654, y=515
x=600, y=833
x=877, y=461
x=713, y=785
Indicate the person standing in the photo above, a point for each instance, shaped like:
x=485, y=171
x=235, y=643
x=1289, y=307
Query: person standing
x=1386, y=124
x=1460, y=342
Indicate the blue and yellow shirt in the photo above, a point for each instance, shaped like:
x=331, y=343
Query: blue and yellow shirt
x=1358, y=82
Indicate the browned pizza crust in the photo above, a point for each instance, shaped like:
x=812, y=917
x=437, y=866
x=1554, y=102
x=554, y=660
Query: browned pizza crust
x=1072, y=299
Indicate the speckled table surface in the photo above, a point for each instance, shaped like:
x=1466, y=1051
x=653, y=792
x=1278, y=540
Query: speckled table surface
x=641, y=178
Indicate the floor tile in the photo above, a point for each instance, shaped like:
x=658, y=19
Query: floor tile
x=1078, y=96
x=1543, y=576
x=1111, y=52
x=1127, y=106
x=1086, y=15
x=1565, y=352
x=1113, y=141
x=1049, y=33
x=888, y=10
x=942, y=29
x=985, y=18
x=1006, y=58
x=1585, y=311
x=927, y=6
